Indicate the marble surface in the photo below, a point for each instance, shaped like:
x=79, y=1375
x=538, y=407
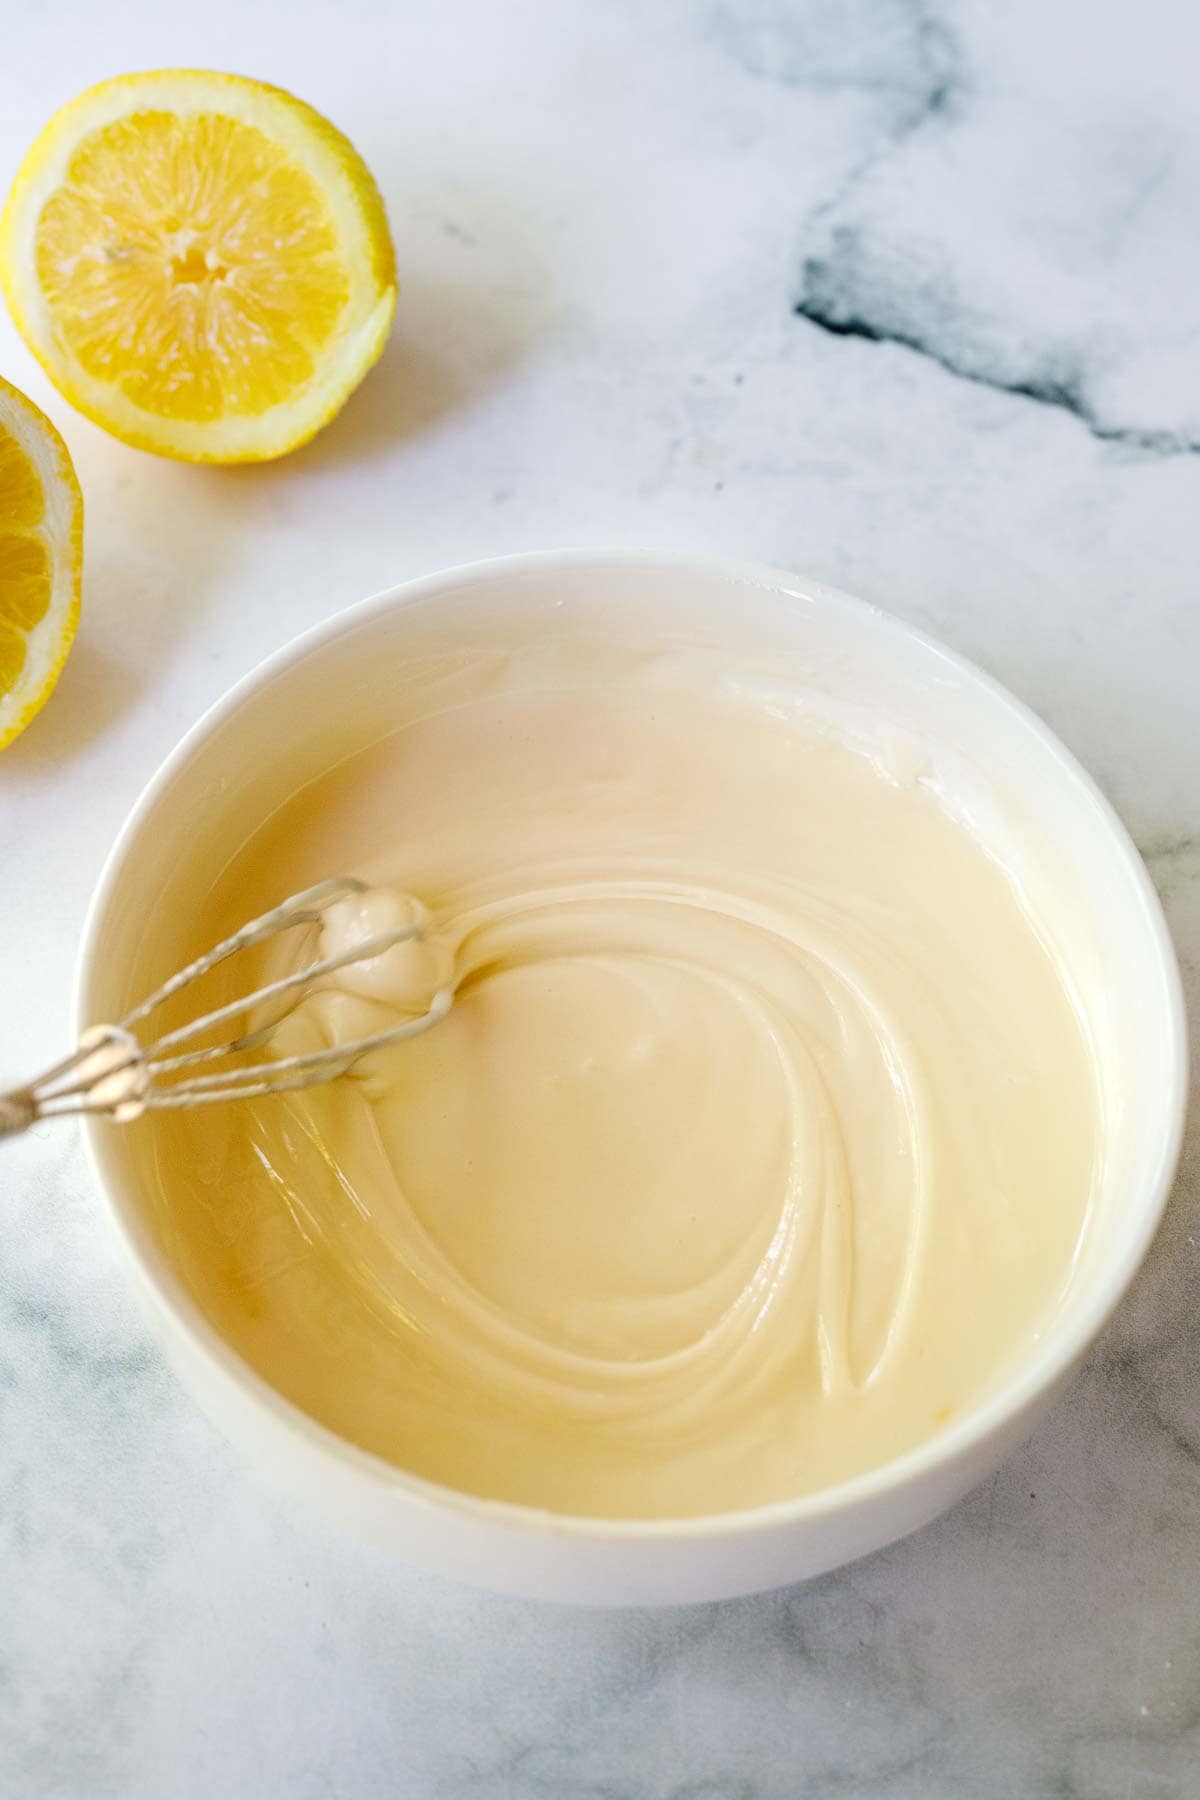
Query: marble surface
x=901, y=293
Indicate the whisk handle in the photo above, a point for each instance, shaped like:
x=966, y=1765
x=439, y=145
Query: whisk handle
x=18, y=1110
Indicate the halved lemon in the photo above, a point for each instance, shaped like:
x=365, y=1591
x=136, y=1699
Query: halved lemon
x=41, y=556
x=201, y=263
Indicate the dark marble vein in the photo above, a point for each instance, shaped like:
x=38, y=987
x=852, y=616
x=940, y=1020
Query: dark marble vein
x=1170, y=847
x=824, y=302
x=1127, y=1369
x=715, y=1790
x=875, y=267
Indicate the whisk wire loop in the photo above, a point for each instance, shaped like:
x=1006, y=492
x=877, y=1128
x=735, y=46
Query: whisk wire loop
x=111, y=1071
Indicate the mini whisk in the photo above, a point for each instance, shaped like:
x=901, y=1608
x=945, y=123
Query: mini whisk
x=113, y=1073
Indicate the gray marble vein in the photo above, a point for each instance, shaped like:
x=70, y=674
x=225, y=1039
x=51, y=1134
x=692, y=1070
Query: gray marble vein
x=1018, y=227
x=898, y=292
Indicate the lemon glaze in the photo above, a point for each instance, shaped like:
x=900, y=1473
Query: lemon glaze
x=758, y=1141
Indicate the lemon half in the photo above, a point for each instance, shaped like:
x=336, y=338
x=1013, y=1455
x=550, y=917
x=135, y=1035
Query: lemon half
x=201, y=263
x=41, y=555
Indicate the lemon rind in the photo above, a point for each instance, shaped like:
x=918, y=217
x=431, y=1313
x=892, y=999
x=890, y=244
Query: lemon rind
x=48, y=644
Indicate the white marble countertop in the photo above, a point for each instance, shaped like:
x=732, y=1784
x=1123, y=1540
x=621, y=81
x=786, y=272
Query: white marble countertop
x=903, y=294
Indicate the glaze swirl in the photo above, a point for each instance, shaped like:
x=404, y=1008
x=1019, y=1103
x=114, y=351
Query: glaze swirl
x=759, y=1134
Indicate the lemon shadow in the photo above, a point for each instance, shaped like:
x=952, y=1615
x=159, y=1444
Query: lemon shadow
x=155, y=548
x=449, y=346
x=93, y=691
x=475, y=301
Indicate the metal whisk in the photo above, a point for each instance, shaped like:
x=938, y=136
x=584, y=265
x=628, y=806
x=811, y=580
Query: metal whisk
x=111, y=1071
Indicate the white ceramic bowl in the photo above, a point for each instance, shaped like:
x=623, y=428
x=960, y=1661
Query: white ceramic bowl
x=280, y=723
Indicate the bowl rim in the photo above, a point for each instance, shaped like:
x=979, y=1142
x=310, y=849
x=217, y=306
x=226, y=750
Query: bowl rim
x=1052, y=1358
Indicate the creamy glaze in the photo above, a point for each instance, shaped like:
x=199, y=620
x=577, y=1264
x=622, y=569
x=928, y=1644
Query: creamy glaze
x=758, y=1140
